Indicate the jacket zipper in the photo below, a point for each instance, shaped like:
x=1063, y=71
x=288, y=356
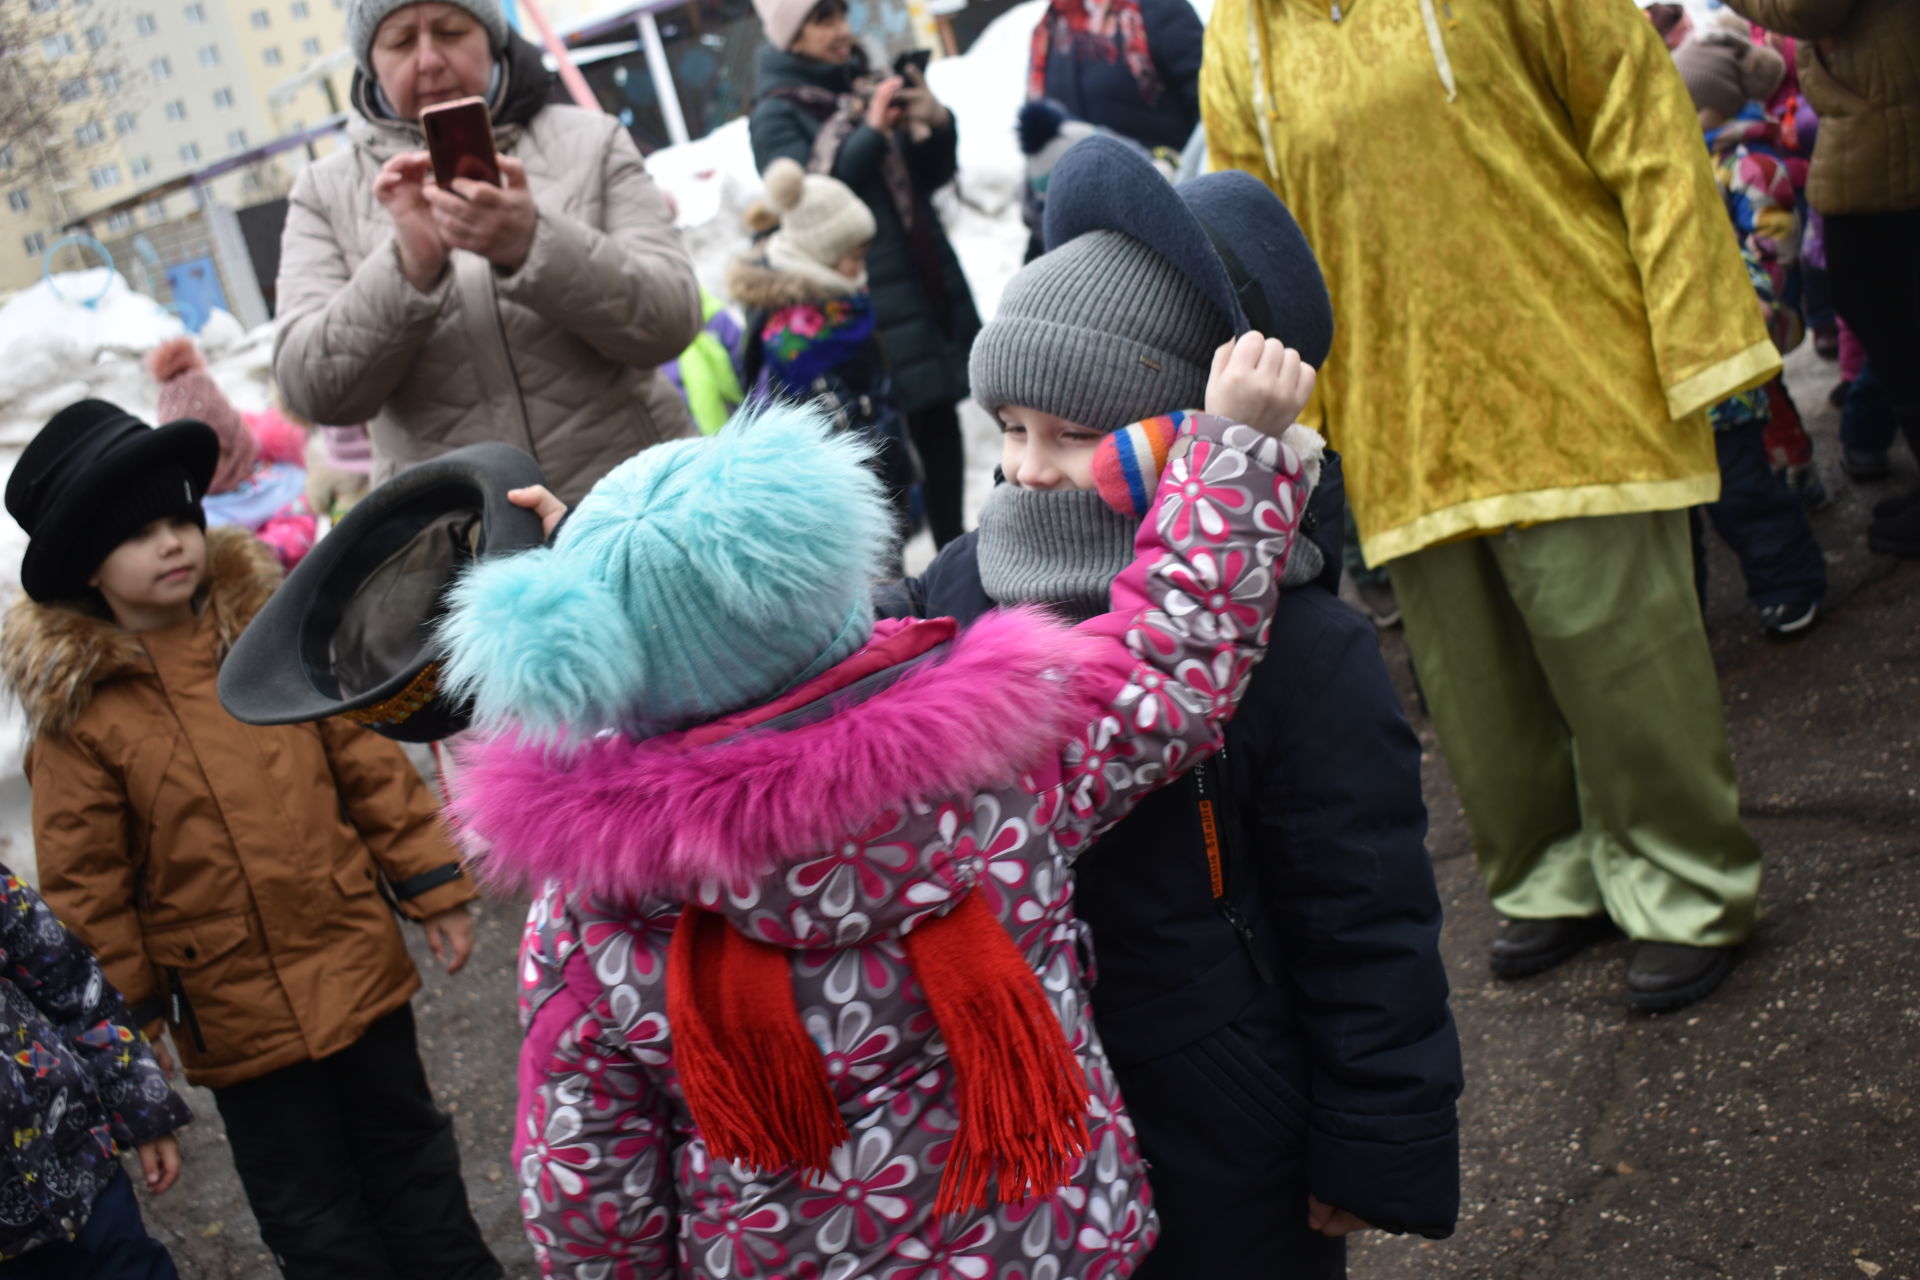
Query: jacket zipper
x=506, y=350
x=182, y=1008
x=1216, y=869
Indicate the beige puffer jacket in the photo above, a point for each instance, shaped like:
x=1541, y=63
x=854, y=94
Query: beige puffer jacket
x=559, y=358
x=1859, y=62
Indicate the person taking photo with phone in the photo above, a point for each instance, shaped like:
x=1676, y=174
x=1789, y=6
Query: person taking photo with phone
x=535, y=312
x=891, y=140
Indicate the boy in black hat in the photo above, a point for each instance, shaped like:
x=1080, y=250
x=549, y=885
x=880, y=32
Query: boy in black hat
x=1267, y=934
x=227, y=876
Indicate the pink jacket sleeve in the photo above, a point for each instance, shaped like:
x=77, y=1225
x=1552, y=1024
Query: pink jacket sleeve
x=596, y=1179
x=1190, y=619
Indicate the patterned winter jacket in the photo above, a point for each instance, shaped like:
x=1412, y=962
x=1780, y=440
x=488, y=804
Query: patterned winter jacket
x=81, y=1085
x=1750, y=166
x=817, y=823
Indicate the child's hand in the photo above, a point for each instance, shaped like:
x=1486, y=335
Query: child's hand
x=450, y=934
x=1332, y=1222
x=539, y=500
x=1260, y=382
x=160, y=1162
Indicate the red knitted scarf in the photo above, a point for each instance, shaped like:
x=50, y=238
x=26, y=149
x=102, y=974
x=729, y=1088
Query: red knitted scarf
x=757, y=1086
x=1118, y=35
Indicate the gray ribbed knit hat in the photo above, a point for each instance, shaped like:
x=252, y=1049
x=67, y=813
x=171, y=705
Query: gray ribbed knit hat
x=1102, y=332
x=365, y=16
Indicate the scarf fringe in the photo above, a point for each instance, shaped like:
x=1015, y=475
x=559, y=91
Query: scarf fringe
x=1019, y=1092
x=755, y=1084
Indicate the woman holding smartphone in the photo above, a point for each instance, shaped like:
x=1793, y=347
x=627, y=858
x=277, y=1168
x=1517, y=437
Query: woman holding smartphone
x=534, y=312
x=891, y=140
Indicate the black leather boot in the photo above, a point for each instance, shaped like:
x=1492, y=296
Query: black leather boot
x=1669, y=975
x=1526, y=947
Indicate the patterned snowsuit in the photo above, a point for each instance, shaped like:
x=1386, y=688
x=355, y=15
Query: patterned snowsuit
x=989, y=758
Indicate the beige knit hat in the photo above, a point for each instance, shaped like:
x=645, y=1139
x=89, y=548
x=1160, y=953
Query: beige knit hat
x=821, y=221
x=1724, y=70
x=783, y=19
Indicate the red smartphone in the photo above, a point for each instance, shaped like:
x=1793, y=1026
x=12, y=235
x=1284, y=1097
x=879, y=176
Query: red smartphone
x=460, y=140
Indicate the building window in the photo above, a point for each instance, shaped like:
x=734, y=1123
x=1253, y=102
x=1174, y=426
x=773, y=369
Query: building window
x=109, y=82
x=299, y=10
x=139, y=166
x=73, y=89
x=96, y=37
x=223, y=98
x=56, y=47
x=196, y=14
x=123, y=124
x=120, y=220
x=160, y=69
x=259, y=19
x=209, y=55
x=36, y=242
x=271, y=55
x=310, y=46
x=145, y=25
x=237, y=140
x=89, y=133
x=19, y=201
x=177, y=110
x=45, y=6
x=104, y=176
x=190, y=152
x=6, y=157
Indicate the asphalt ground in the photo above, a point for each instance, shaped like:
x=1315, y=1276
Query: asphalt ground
x=1772, y=1131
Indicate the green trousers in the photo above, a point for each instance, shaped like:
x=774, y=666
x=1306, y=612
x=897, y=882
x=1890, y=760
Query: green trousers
x=1567, y=669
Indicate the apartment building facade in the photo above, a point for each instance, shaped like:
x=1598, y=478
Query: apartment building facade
x=150, y=90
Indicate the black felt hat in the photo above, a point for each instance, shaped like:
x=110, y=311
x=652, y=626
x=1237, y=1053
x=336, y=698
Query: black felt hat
x=1226, y=232
x=351, y=631
x=92, y=478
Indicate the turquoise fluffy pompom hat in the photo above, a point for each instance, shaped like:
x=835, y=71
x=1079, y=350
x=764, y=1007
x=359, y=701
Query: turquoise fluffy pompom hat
x=698, y=578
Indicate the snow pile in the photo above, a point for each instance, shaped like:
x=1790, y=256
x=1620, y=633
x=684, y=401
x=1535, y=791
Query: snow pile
x=53, y=341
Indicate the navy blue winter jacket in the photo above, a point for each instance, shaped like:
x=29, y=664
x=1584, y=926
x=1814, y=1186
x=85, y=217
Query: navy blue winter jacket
x=80, y=1083
x=1103, y=92
x=1294, y=1035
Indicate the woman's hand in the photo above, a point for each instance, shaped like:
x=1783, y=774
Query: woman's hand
x=1332, y=1222
x=160, y=1163
x=538, y=499
x=883, y=113
x=450, y=935
x=401, y=190
x=918, y=107
x=1260, y=382
x=494, y=222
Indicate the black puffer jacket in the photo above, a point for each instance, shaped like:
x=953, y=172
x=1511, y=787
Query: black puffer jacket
x=926, y=345
x=1292, y=1036
x=1102, y=90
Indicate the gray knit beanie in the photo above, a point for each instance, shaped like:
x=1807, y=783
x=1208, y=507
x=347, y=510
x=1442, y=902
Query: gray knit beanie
x=1102, y=332
x=365, y=16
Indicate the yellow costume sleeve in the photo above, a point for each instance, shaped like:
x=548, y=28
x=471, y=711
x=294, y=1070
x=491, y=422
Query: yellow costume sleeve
x=1638, y=130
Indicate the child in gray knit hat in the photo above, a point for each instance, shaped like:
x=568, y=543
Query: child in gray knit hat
x=1242, y=915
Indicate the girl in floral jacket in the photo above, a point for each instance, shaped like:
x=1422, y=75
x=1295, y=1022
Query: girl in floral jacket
x=83, y=1088
x=802, y=997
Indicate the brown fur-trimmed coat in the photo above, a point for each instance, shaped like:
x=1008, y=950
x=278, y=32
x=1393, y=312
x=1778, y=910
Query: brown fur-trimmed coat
x=223, y=873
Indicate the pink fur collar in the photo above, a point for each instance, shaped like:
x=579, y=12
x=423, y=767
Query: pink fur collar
x=655, y=817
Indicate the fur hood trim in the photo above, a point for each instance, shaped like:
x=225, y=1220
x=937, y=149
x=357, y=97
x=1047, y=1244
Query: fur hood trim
x=53, y=656
x=657, y=817
x=758, y=286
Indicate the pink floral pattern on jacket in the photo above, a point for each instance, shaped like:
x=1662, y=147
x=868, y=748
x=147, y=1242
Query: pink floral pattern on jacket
x=615, y=1181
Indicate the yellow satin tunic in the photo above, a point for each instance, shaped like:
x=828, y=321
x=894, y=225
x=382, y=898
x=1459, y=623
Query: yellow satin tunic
x=1536, y=288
